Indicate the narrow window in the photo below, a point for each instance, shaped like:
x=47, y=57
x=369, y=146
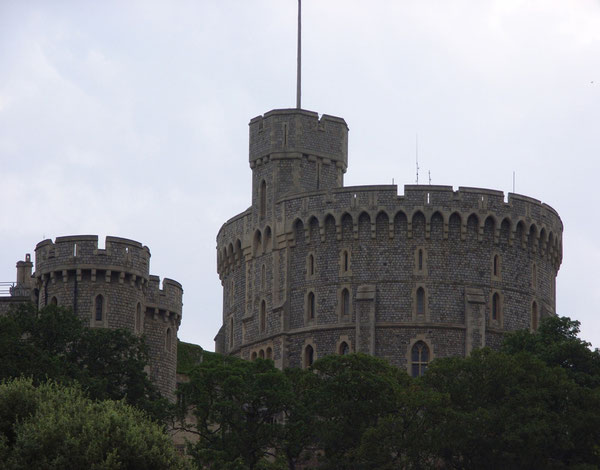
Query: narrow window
x=74, y=249
x=496, y=267
x=495, y=306
x=311, y=306
x=138, y=318
x=261, y=353
x=318, y=175
x=420, y=259
x=99, y=308
x=285, y=135
x=54, y=301
x=269, y=353
x=346, y=261
x=534, y=316
x=169, y=341
x=345, y=303
x=263, y=277
x=534, y=276
x=344, y=348
x=311, y=265
x=419, y=358
x=420, y=301
x=309, y=355
x=231, y=333
x=263, y=316
x=263, y=198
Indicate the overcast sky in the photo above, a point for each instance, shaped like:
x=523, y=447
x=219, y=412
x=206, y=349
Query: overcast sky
x=129, y=118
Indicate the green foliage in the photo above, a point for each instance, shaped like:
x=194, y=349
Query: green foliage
x=534, y=404
x=56, y=427
x=188, y=356
x=54, y=344
x=353, y=392
x=513, y=411
x=410, y=436
x=236, y=405
x=557, y=343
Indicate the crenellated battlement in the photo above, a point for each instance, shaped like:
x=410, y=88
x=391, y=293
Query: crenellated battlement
x=165, y=299
x=525, y=219
x=283, y=131
x=81, y=252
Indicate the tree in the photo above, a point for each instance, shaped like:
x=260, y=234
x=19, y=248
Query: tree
x=514, y=411
x=556, y=343
x=55, y=427
x=297, y=441
x=54, y=344
x=237, y=406
x=354, y=393
x=409, y=437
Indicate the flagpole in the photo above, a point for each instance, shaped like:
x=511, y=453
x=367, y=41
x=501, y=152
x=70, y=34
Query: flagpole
x=299, y=65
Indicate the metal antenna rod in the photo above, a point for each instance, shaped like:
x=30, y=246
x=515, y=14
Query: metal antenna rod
x=299, y=69
x=417, y=154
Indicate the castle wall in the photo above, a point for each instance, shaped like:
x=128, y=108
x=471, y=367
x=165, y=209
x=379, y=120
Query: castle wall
x=459, y=233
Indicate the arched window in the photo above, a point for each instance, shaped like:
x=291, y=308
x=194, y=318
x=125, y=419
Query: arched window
x=54, y=301
x=231, y=333
x=138, y=317
x=169, y=340
x=495, y=307
x=344, y=348
x=309, y=355
x=269, y=353
x=311, y=306
x=534, y=316
x=99, y=308
x=253, y=356
x=419, y=358
x=262, y=318
x=261, y=353
x=345, y=303
x=263, y=198
x=420, y=301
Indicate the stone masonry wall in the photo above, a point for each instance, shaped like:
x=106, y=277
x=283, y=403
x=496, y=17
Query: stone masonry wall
x=460, y=233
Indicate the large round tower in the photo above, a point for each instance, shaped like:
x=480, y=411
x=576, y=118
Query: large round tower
x=315, y=268
x=112, y=287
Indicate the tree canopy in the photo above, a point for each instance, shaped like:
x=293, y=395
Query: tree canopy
x=533, y=404
x=51, y=426
x=54, y=344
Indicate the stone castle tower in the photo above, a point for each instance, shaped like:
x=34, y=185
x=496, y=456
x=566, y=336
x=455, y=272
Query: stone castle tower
x=314, y=268
x=109, y=287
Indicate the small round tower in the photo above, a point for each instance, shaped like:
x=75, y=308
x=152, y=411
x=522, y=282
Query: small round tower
x=111, y=288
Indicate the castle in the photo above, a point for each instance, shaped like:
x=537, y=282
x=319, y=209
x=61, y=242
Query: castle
x=107, y=287
x=314, y=268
